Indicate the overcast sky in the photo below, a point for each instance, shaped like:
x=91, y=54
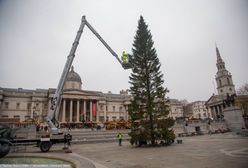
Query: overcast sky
x=36, y=37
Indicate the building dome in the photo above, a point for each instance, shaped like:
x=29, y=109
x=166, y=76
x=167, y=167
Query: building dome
x=73, y=76
x=73, y=80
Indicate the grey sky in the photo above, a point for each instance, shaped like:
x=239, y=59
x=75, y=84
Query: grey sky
x=36, y=37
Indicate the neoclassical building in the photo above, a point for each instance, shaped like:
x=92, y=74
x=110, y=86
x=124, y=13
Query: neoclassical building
x=77, y=104
x=176, y=109
x=224, y=86
x=197, y=110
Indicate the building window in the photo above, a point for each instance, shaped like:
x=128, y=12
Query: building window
x=29, y=106
x=5, y=116
x=27, y=117
x=221, y=90
x=6, y=105
x=220, y=82
x=18, y=105
x=228, y=81
x=45, y=106
x=101, y=118
x=101, y=107
x=230, y=89
x=114, y=118
x=113, y=108
x=120, y=109
x=106, y=108
x=16, y=116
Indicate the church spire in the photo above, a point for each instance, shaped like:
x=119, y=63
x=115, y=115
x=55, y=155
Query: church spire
x=223, y=77
x=220, y=63
x=219, y=59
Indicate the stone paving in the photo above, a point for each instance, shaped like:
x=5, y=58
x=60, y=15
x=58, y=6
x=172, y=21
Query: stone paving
x=208, y=151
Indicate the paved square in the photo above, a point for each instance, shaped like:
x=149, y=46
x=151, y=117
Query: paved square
x=209, y=151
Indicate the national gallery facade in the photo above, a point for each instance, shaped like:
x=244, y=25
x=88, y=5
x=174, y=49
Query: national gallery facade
x=77, y=105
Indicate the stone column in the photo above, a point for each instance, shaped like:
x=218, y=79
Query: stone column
x=32, y=110
x=63, y=112
x=219, y=109
x=97, y=112
x=105, y=113
x=49, y=104
x=124, y=112
x=77, y=110
x=84, y=110
x=127, y=111
x=90, y=110
x=213, y=112
x=216, y=112
x=71, y=104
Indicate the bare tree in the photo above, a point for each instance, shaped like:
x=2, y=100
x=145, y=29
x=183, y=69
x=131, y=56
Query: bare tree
x=243, y=90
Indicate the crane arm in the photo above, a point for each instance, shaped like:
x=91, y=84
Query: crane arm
x=103, y=41
x=56, y=101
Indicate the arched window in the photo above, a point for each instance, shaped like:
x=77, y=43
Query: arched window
x=220, y=82
x=228, y=81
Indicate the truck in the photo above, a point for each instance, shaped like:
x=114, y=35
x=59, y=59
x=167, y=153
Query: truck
x=55, y=135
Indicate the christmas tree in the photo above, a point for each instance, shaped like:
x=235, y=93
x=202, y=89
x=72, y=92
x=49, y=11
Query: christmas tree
x=149, y=106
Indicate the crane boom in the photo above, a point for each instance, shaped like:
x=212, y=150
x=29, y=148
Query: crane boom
x=53, y=113
x=103, y=42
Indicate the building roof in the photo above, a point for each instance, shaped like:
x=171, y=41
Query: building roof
x=73, y=76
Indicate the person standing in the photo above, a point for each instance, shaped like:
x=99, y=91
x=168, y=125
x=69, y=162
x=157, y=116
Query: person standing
x=119, y=136
x=124, y=57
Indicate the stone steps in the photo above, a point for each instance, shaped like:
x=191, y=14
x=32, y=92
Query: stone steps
x=98, y=136
x=89, y=141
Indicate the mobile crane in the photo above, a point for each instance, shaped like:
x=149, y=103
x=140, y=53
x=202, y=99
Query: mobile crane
x=56, y=135
x=54, y=110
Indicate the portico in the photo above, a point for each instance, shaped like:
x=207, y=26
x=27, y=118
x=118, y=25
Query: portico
x=78, y=110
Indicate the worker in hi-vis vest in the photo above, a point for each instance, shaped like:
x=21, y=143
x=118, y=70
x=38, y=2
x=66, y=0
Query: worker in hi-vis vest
x=119, y=136
x=124, y=57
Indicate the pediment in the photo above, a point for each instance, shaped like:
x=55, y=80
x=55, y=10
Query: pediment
x=215, y=99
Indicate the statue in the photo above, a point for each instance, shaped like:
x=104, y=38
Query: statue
x=229, y=101
x=5, y=137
